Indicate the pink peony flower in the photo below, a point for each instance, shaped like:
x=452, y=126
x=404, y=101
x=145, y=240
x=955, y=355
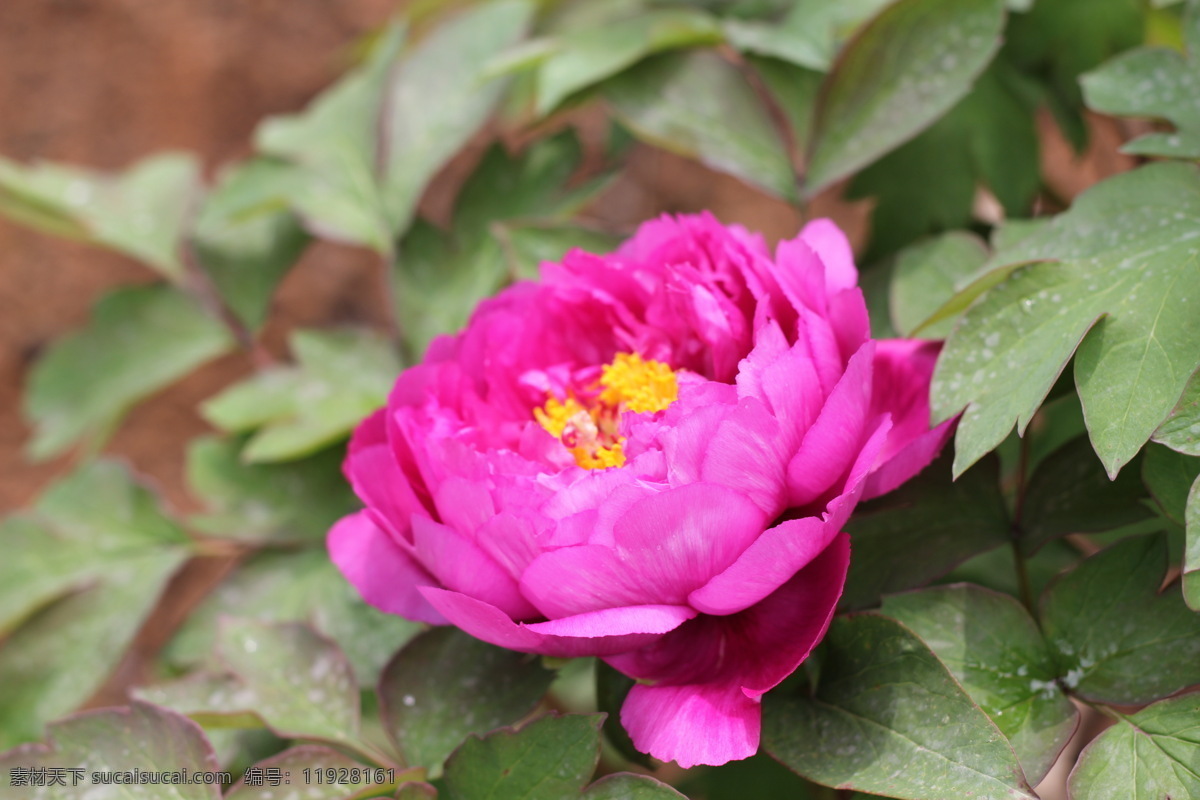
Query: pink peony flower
x=646, y=457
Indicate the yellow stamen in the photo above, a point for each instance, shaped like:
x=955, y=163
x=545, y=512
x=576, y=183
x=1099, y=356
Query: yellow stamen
x=589, y=433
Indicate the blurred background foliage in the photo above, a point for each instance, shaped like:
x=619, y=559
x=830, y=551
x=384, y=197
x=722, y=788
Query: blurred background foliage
x=280, y=206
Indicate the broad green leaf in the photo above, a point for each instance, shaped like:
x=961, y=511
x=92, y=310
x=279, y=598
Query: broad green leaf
x=139, y=340
x=294, y=502
x=442, y=276
x=445, y=685
x=921, y=531
x=997, y=569
x=584, y=57
x=140, y=212
x=305, y=766
x=626, y=786
x=901, y=72
x=1062, y=39
x=1169, y=477
x=117, y=740
x=299, y=586
x=757, y=776
x=1069, y=492
x=1117, y=639
x=808, y=35
x=699, y=106
x=340, y=378
x=551, y=758
x=927, y=275
x=333, y=145
x=1181, y=430
x=1191, y=557
x=1150, y=755
x=88, y=564
x=994, y=649
x=295, y=680
x=1155, y=82
x=794, y=90
x=929, y=184
x=416, y=791
x=1122, y=261
x=888, y=718
x=439, y=97
x=247, y=239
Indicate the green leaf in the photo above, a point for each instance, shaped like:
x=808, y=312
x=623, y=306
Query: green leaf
x=551, y=758
x=626, y=786
x=888, y=718
x=301, y=587
x=305, y=766
x=794, y=90
x=904, y=70
x=440, y=96
x=757, y=776
x=1181, y=430
x=699, y=106
x=246, y=238
x=292, y=678
x=994, y=649
x=294, y=502
x=1191, y=557
x=441, y=277
x=1127, y=267
x=1150, y=755
x=1155, y=82
x=927, y=275
x=997, y=569
x=333, y=145
x=929, y=184
x=82, y=571
x=584, y=57
x=445, y=685
x=117, y=740
x=921, y=531
x=1118, y=640
x=140, y=212
x=416, y=791
x=340, y=378
x=1169, y=477
x=1061, y=40
x=1069, y=492
x=139, y=340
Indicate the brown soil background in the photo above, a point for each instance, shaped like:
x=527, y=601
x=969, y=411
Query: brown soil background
x=102, y=83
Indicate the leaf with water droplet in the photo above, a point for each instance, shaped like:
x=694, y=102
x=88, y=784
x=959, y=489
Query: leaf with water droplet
x=1117, y=285
x=444, y=685
x=900, y=73
x=994, y=649
x=888, y=718
x=927, y=275
x=296, y=767
x=1150, y=755
x=1181, y=430
x=117, y=740
x=1117, y=639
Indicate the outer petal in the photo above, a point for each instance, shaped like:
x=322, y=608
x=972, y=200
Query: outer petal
x=694, y=715
x=486, y=622
x=383, y=573
x=828, y=241
x=690, y=725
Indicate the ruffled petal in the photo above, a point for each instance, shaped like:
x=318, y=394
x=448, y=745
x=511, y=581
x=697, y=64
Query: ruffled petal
x=485, y=621
x=832, y=246
x=380, y=570
x=690, y=725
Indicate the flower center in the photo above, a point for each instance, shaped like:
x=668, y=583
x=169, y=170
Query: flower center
x=590, y=431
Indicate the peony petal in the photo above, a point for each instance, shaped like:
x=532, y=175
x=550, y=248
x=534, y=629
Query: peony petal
x=463, y=566
x=380, y=570
x=666, y=545
x=836, y=437
x=916, y=456
x=485, y=621
x=617, y=621
x=828, y=241
x=691, y=725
